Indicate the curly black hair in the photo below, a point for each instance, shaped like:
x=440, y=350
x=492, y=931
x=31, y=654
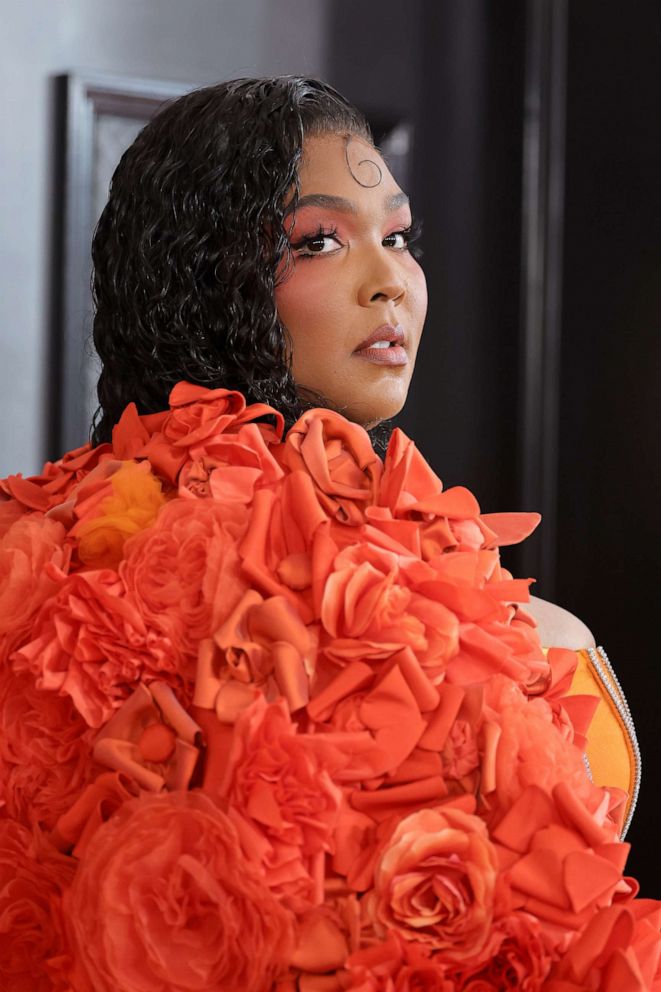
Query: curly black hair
x=187, y=249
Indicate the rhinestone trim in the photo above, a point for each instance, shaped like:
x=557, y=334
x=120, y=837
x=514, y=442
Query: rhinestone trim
x=619, y=701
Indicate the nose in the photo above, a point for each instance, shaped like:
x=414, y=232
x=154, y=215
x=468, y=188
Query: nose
x=382, y=281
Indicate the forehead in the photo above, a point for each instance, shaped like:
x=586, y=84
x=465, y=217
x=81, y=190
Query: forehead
x=344, y=165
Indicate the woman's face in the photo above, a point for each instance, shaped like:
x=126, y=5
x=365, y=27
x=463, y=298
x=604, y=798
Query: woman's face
x=354, y=300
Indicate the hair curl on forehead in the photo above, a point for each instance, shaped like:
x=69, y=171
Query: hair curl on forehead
x=187, y=248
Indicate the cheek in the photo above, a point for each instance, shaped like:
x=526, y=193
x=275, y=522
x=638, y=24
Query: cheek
x=418, y=284
x=313, y=311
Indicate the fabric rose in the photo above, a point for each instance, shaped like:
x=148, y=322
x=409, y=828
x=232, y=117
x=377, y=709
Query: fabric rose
x=263, y=643
x=448, y=520
x=371, y=608
x=287, y=549
x=397, y=965
x=10, y=512
x=45, y=751
x=338, y=456
x=151, y=739
x=53, y=486
x=196, y=418
x=435, y=882
x=163, y=899
x=183, y=574
x=231, y=468
x=618, y=949
x=407, y=478
x=525, y=746
x=91, y=643
x=32, y=878
x=561, y=862
x=281, y=784
x=519, y=962
x=125, y=503
x=29, y=546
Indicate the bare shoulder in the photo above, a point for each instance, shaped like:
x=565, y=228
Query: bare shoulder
x=558, y=628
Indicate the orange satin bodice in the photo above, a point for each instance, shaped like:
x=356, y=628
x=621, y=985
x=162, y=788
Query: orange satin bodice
x=612, y=749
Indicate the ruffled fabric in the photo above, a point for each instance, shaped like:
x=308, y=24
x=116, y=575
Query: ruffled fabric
x=273, y=717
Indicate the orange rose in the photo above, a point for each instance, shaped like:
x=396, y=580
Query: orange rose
x=183, y=573
x=30, y=545
x=264, y=643
x=53, y=486
x=340, y=460
x=396, y=965
x=196, y=418
x=10, y=512
x=164, y=900
x=125, y=503
x=45, y=751
x=520, y=961
x=435, y=883
x=371, y=609
x=524, y=746
x=618, y=950
x=287, y=550
x=450, y=520
x=280, y=783
x=32, y=877
x=231, y=468
x=563, y=862
x=407, y=478
x=90, y=643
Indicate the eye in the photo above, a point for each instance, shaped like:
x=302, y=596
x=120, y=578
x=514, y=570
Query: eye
x=397, y=239
x=323, y=242
x=404, y=240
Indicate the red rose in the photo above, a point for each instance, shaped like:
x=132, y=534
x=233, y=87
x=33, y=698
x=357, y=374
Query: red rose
x=32, y=877
x=163, y=899
x=435, y=883
x=45, y=751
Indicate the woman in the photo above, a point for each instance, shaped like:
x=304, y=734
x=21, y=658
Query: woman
x=341, y=758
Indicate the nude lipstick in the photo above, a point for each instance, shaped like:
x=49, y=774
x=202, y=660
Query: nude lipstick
x=384, y=346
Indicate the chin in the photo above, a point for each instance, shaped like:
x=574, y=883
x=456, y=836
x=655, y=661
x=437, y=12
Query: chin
x=369, y=415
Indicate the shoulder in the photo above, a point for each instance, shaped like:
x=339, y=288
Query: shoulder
x=558, y=628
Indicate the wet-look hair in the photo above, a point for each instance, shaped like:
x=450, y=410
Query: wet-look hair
x=193, y=240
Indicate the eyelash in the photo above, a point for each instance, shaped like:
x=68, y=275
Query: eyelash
x=410, y=234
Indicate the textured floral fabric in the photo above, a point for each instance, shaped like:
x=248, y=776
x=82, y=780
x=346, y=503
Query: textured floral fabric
x=273, y=717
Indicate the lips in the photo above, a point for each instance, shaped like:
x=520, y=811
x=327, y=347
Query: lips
x=384, y=346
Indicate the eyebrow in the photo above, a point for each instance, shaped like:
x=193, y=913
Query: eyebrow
x=343, y=205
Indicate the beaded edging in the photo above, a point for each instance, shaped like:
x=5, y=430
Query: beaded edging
x=619, y=701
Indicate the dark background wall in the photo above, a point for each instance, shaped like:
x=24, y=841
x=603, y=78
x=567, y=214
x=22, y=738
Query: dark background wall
x=609, y=545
